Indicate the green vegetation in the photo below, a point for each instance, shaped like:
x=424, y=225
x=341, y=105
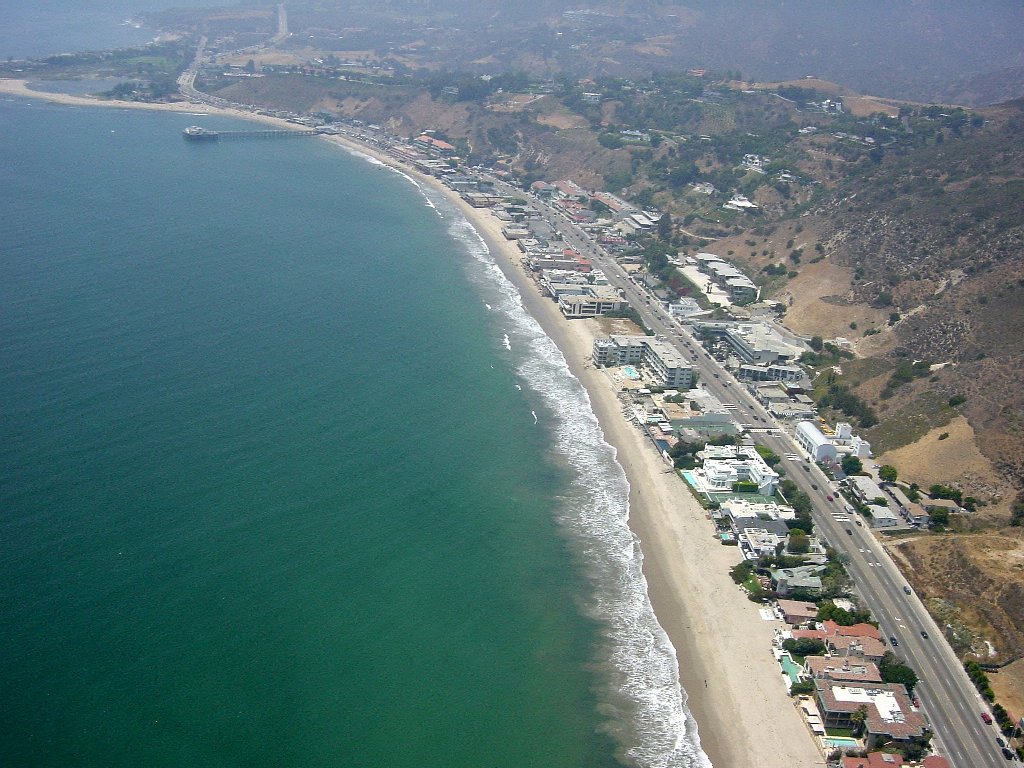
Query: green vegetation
x=851, y=465
x=904, y=374
x=893, y=670
x=770, y=457
x=1017, y=511
x=829, y=611
x=980, y=680
x=805, y=646
x=946, y=492
x=741, y=572
x=842, y=399
x=799, y=542
x=888, y=473
x=801, y=504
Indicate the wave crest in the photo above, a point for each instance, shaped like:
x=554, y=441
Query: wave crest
x=639, y=690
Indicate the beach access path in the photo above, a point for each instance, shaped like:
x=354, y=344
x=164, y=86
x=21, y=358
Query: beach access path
x=734, y=687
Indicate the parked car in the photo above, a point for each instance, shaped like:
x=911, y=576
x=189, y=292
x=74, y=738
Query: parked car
x=986, y=718
x=906, y=589
x=1008, y=753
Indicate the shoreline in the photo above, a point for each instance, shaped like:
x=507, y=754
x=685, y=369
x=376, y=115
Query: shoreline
x=733, y=686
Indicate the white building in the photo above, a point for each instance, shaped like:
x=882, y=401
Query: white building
x=596, y=300
x=671, y=368
x=726, y=465
x=812, y=440
x=744, y=508
x=822, y=447
x=883, y=517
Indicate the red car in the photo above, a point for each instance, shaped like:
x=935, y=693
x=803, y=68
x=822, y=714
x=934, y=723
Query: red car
x=987, y=718
x=830, y=498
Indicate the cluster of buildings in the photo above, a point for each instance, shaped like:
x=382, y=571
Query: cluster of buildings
x=827, y=447
x=848, y=691
x=758, y=344
x=741, y=289
x=725, y=466
x=759, y=528
x=659, y=357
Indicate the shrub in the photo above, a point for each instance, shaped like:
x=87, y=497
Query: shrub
x=805, y=646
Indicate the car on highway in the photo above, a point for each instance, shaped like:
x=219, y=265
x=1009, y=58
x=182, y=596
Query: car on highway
x=814, y=486
x=924, y=634
x=807, y=468
x=830, y=498
x=849, y=531
x=906, y=589
x=986, y=718
x=893, y=641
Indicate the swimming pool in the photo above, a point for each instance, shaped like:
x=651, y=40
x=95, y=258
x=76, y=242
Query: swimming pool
x=631, y=372
x=840, y=742
x=790, y=667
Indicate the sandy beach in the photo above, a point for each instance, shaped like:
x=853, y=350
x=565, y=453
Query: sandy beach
x=734, y=686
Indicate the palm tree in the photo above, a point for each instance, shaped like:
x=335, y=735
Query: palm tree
x=859, y=719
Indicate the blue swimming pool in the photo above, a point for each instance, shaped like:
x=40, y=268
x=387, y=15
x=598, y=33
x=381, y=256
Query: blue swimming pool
x=631, y=372
x=840, y=742
x=790, y=667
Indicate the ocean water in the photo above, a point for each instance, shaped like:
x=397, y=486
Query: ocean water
x=47, y=27
x=288, y=477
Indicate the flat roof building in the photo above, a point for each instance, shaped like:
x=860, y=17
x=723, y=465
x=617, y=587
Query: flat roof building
x=671, y=368
x=812, y=440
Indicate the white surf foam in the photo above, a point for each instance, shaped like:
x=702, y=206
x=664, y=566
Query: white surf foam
x=640, y=694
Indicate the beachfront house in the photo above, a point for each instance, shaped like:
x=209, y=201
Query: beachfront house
x=891, y=717
x=804, y=580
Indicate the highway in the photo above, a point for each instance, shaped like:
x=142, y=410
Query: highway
x=947, y=696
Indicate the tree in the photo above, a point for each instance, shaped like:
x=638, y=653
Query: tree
x=799, y=542
x=851, y=465
x=665, y=227
x=829, y=611
x=938, y=517
x=858, y=719
x=893, y=670
x=805, y=646
x=817, y=343
x=888, y=473
x=1017, y=511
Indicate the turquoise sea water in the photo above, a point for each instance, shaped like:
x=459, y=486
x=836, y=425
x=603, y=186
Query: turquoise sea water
x=274, y=492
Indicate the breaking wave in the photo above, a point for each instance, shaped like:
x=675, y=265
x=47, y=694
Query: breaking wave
x=639, y=692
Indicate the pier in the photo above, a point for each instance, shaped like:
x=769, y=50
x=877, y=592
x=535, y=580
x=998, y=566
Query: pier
x=197, y=133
